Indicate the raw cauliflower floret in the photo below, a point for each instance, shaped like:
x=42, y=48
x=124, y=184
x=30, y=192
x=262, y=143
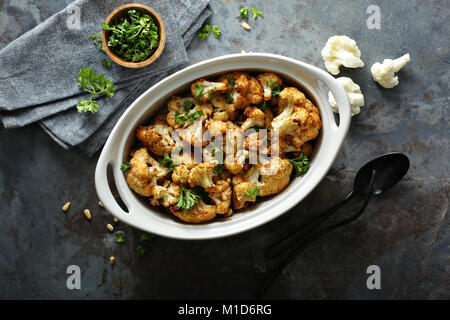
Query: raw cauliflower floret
x=266, y=78
x=354, y=93
x=298, y=116
x=165, y=195
x=223, y=110
x=341, y=50
x=142, y=178
x=156, y=137
x=221, y=194
x=199, y=213
x=255, y=117
x=203, y=89
x=202, y=175
x=384, y=73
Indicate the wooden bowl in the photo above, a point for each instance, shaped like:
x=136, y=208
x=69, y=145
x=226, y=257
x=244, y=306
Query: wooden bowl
x=114, y=18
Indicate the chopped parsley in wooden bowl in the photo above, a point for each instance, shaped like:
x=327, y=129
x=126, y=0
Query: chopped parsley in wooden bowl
x=133, y=36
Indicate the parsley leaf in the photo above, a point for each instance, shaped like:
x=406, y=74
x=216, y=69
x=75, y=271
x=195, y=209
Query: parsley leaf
x=135, y=38
x=187, y=105
x=256, y=13
x=229, y=97
x=125, y=166
x=195, y=116
x=264, y=106
x=216, y=31
x=87, y=106
x=95, y=84
x=120, y=238
x=98, y=42
x=180, y=119
x=187, y=199
x=219, y=168
x=231, y=82
x=146, y=237
x=243, y=12
x=204, y=32
x=167, y=161
x=198, y=91
x=301, y=164
x=252, y=192
x=106, y=63
x=275, y=88
x=140, y=250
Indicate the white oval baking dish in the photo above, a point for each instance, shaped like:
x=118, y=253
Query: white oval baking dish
x=142, y=216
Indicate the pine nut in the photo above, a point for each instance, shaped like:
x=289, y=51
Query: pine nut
x=245, y=25
x=112, y=260
x=116, y=220
x=100, y=204
x=66, y=206
x=87, y=213
x=110, y=227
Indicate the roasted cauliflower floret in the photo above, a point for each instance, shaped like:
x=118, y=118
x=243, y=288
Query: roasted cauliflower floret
x=250, y=89
x=235, y=153
x=298, y=117
x=201, y=212
x=203, y=90
x=156, y=137
x=255, y=117
x=223, y=110
x=180, y=173
x=221, y=194
x=165, y=195
x=202, y=176
x=178, y=107
x=268, y=82
x=242, y=192
x=140, y=176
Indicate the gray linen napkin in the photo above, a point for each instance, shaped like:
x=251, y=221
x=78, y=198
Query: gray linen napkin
x=53, y=94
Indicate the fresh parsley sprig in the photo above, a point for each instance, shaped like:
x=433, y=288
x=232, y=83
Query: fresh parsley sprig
x=204, y=32
x=125, y=166
x=187, y=199
x=300, y=164
x=167, y=162
x=252, y=192
x=275, y=88
x=95, y=84
x=243, y=12
x=256, y=13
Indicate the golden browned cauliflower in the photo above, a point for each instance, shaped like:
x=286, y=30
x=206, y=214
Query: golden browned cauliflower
x=201, y=212
x=297, y=116
x=268, y=81
x=156, y=137
x=202, y=176
x=220, y=194
x=204, y=90
x=223, y=110
x=140, y=176
x=255, y=117
x=165, y=195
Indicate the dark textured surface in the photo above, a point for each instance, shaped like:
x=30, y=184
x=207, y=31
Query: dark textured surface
x=405, y=232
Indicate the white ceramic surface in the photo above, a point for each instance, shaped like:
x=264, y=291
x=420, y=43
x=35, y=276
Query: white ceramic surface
x=142, y=216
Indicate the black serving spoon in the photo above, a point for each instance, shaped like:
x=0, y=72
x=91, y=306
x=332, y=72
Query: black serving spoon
x=374, y=178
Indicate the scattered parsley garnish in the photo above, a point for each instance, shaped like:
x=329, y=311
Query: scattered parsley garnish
x=264, y=106
x=120, y=238
x=252, y=192
x=216, y=110
x=301, y=164
x=275, y=88
x=167, y=161
x=231, y=82
x=216, y=31
x=219, y=168
x=140, y=250
x=187, y=105
x=134, y=38
x=243, y=12
x=106, y=63
x=256, y=13
x=195, y=116
x=229, y=97
x=125, y=166
x=212, y=95
x=257, y=128
x=146, y=237
x=180, y=119
x=96, y=85
x=187, y=199
x=204, y=32
x=97, y=41
x=198, y=91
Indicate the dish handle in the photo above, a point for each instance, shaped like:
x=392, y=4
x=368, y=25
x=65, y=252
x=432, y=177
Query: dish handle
x=343, y=104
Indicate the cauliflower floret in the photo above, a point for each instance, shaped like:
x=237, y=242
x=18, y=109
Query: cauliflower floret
x=202, y=175
x=298, y=117
x=180, y=173
x=245, y=89
x=355, y=96
x=266, y=79
x=341, y=50
x=261, y=180
x=384, y=73
x=142, y=178
x=156, y=137
x=221, y=193
x=222, y=110
x=165, y=195
x=294, y=144
x=255, y=117
x=201, y=212
x=203, y=89
x=235, y=153
x=178, y=107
